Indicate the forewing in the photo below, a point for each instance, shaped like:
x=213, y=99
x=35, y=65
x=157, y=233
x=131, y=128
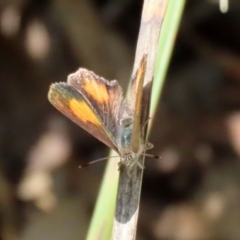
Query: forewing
x=72, y=104
x=104, y=96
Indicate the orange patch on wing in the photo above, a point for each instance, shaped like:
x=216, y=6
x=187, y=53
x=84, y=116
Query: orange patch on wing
x=97, y=91
x=83, y=112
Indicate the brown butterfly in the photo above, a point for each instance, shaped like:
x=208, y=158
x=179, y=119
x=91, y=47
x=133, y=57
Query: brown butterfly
x=97, y=105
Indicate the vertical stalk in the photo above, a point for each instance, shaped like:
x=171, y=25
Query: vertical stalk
x=129, y=188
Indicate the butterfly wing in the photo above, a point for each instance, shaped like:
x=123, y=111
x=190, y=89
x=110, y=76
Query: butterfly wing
x=137, y=91
x=91, y=102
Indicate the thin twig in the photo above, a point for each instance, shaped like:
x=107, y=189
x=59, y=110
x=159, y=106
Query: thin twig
x=129, y=189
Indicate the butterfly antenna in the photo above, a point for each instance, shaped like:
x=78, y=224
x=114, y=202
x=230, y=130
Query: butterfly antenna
x=151, y=155
x=96, y=161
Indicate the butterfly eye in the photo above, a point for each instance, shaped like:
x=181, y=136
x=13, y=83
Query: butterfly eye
x=127, y=122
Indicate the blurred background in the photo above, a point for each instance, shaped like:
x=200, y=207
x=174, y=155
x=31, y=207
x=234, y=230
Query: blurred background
x=192, y=192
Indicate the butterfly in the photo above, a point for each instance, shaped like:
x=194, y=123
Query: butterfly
x=97, y=105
